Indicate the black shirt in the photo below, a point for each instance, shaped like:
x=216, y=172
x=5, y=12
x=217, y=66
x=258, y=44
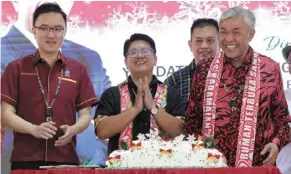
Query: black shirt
x=109, y=105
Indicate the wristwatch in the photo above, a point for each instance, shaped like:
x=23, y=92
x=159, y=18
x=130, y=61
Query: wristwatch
x=155, y=109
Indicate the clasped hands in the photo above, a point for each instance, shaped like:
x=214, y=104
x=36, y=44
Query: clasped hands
x=48, y=130
x=143, y=98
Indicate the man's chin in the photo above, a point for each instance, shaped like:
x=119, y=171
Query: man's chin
x=231, y=55
x=51, y=50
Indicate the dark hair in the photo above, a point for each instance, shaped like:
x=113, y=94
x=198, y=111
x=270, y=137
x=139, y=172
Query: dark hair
x=203, y=22
x=47, y=8
x=138, y=36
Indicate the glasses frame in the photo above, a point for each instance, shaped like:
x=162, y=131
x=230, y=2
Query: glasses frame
x=53, y=29
x=140, y=51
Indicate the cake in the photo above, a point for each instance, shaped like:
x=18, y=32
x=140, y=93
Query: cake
x=155, y=151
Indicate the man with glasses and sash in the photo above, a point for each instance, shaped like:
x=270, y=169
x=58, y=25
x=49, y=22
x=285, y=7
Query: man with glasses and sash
x=141, y=103
x=41, y=94
x=238, y=97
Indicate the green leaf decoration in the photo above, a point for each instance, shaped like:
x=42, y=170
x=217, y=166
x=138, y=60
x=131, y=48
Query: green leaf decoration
x=86, y=161
x=123, y=145
x=161, y=133
x=209, y=143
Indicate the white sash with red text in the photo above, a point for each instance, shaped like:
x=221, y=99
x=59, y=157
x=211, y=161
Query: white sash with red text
x=249, y=108
x=160, y=97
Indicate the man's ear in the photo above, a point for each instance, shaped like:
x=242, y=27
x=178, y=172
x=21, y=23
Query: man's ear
x=190, y=44
x=252, y=34
x=33, y=31
x=65, y=31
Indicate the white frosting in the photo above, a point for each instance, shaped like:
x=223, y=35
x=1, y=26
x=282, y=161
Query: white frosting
x=155, y=152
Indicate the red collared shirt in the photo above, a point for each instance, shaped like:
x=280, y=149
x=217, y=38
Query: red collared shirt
x=20, y=89
x=273, y=115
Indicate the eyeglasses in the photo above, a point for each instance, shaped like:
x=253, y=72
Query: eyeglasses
x=47, y=29
x=144, y=52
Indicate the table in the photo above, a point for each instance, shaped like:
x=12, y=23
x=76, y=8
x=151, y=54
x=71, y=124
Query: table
x=253, y=170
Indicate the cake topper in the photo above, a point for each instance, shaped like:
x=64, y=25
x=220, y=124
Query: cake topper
x=209, y=143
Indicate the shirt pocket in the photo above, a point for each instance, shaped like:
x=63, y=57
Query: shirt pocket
x=28, y=85
x=69, y=88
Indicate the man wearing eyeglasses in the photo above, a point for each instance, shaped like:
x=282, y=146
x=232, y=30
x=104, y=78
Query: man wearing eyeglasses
x=141, y=103
x=20, y=41
x=41, y=93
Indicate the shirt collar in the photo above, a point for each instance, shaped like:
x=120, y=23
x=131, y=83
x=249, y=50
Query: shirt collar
x=153, y=82
x=36, y=58
x=192, y=65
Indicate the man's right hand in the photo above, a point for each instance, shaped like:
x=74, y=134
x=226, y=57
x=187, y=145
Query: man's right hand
x=138, y=104
x=45, y=130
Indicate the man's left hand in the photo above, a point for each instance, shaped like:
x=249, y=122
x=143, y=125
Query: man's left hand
x=273, y=154
x=67, y=137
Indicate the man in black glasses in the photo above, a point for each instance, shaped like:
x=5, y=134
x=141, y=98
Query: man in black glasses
x=141, y=103
x=41, y=93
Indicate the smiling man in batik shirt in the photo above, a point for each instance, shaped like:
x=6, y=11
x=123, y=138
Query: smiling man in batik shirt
x=141, y=103
x=238, y=97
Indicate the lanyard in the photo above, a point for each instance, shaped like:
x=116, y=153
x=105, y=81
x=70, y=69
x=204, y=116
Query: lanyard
x=49, y=112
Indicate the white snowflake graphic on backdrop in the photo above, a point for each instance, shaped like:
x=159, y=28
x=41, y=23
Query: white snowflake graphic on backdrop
x=243, y=4
x=282, y=10
x=138, y=15
x=76, y=21
x=4, y=27
x=191, y=10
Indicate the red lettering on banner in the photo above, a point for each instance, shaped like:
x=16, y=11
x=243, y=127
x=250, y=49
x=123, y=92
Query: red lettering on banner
x=209, y=102
x=249, y=113
x=245, y=157
x=211, y=82
x=210, y=87
x=207, y=125
x=207, y=109
x=245, y=149
x=249, y=117
x=210, y=94
x=249, y=108
x=251, y=94
x=250, y=101
x=248, y=128
x=213, y=75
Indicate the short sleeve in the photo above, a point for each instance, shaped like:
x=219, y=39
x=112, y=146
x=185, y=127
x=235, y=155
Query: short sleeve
x=86, y=95
x=10, y=84
x=109, y=103
x=175, y=105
